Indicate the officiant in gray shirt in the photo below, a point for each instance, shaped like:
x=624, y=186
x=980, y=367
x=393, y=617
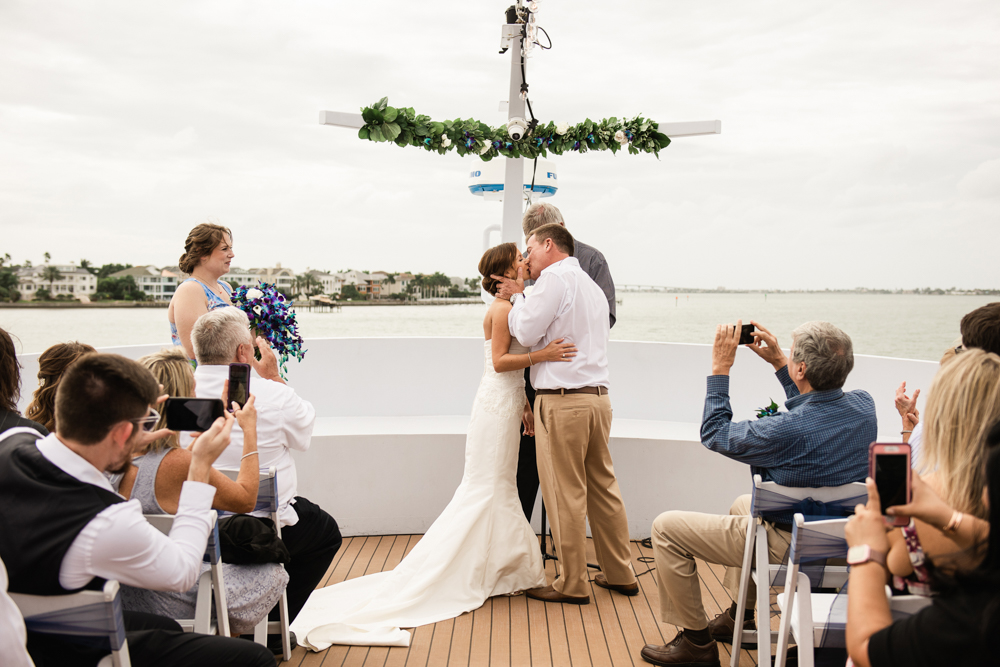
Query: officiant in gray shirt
x=594, y=265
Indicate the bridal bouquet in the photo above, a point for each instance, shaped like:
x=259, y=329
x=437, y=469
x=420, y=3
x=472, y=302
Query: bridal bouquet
x=270, y=317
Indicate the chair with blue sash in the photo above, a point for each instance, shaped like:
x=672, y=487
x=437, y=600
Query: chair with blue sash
x=96, y=614
x=209, y=582
x=778, y=504
x=819, y=620
x=267, y=501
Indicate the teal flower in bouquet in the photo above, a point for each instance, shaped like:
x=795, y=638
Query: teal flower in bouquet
x=768, y=410
x=271, y=317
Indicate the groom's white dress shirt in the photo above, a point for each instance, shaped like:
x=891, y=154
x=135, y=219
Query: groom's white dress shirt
x=285, y=422
x=119, y=543
x=565, y=303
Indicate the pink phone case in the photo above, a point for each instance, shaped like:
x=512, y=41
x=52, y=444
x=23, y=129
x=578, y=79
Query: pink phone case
x=895, y=449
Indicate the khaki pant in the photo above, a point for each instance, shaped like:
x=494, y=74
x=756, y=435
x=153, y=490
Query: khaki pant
x=578, y=481
x=680, y=537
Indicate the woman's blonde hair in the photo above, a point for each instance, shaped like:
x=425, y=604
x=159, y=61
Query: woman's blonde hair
x=171, y=369
x=964, y=402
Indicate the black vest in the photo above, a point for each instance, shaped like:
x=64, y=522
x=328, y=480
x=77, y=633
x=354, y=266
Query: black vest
x=42, y=510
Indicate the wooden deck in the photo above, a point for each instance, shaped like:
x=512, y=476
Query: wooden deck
x=516, y=631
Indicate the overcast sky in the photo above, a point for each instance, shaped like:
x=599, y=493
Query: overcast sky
x=860, y=143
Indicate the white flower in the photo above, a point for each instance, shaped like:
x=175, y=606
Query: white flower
x=445, y=141
x=254, y=293
x=620, y=137
x=562, y=127
x=485, y=149
x=256, y=309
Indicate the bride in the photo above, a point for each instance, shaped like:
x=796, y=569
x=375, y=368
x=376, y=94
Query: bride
x=481, y=545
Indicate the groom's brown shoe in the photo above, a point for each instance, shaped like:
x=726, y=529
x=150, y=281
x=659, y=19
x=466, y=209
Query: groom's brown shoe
x=549, y=594
x=624, y=589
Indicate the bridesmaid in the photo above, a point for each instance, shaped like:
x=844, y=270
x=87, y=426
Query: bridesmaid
x=208, y=252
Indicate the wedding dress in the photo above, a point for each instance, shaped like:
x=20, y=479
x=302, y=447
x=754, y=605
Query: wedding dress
x=480, y=546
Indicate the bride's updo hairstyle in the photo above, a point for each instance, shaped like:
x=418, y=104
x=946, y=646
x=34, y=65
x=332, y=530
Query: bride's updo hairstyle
x=201, y=242
x=495, y=262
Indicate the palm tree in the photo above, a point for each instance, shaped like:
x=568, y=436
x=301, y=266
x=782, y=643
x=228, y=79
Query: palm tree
x=47, y=257
x=51, y=274
x=87, y=266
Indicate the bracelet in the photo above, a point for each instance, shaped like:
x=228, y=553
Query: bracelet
x=905, y=432
x=956, y=521
x=246, y=455
x=530, y=362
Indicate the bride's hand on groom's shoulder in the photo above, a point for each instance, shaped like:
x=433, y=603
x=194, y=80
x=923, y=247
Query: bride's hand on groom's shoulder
x=557, y=350
x=508, y=287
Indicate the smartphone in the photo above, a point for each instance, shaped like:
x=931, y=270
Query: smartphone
x=889, y=466
x=239, y=385
x=193, y=414
x=746, y=334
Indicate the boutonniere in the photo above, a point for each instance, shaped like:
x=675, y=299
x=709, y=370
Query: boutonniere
x=768, y=410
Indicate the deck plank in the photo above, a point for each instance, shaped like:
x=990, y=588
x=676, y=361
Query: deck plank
x=500, y=632
x=482, y=619
x=520, y=631
x=420, y=646
x=351, y=550
x=461, y=641
x=538, y=626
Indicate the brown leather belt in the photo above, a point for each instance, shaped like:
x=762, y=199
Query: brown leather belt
x=598, y=390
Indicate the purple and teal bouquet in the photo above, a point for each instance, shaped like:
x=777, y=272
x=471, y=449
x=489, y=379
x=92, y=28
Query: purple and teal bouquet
x=270, y=317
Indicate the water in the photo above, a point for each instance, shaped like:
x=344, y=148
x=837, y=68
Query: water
x=896, y=325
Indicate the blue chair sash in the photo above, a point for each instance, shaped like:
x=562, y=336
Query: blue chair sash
x=99, y=619
x=779, y=508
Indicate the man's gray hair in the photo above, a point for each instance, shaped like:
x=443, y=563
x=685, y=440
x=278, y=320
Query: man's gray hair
x=218, y=333
x=827, y=353
x=538, y=215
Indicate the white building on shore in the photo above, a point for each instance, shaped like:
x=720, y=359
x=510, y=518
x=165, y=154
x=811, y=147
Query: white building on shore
x=73, y=283
x=156, y=284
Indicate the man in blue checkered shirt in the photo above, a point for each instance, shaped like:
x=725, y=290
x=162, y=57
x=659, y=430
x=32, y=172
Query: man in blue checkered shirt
x=822, y=440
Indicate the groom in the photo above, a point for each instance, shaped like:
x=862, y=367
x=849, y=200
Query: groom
x=572, y=416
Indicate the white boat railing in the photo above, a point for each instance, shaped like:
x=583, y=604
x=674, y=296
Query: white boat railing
x=388, y=449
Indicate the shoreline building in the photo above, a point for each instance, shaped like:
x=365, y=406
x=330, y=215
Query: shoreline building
x=156, y=284
x=74, y=281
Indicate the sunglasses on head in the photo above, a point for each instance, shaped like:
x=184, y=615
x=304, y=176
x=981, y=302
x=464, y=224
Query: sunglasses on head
x=148, y=423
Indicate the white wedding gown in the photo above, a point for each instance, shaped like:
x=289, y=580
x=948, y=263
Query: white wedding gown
x=480, y=546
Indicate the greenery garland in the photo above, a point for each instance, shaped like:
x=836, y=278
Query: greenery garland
x=404, y=127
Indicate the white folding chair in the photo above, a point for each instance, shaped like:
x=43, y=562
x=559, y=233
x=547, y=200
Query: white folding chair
x=210, y=583
x=770, y=499
x=267, y=501
x=815, y=620
x=87, y=613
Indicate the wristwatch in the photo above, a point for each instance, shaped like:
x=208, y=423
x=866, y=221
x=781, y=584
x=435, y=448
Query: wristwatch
x=514, y=296
x=863, y=553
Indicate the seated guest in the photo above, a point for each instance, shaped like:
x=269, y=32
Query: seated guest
x=821, y=441
x=12, y=633
x=284, y=422
x=156, y=478
x=52, y=363
x=63, y=529
x=208, y=252
x=963, y=403
x=10, y=388
x=980, y=330
x=962, y=623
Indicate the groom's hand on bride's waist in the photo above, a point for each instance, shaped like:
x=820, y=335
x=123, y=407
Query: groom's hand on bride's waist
x=507, y=287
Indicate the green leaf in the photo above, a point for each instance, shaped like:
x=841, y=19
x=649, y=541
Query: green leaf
x=390, y=130
x=368, y=115
x=363, y=133
x=382, y=104
x=389, y=114
x=437, y=128
x=376, y=134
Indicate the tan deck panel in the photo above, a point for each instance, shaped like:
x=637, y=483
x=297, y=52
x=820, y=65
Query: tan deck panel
x=519, y=632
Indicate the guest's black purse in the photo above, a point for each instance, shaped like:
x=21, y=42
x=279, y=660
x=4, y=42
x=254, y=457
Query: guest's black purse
x=250, y=540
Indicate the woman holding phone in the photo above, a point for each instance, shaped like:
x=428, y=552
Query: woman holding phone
x=155, y=480
x=964, y=401
x=961, y=625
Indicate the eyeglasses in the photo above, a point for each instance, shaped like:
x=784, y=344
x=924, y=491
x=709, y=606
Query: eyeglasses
x=148, y=423
x=959, y=349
